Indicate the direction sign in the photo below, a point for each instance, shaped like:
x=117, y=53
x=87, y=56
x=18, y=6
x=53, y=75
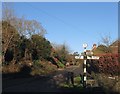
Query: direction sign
x=88, y=57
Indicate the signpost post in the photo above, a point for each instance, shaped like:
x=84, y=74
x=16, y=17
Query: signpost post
x=84, y=66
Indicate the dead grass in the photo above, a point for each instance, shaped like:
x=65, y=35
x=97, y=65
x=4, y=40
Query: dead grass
x=12, y=68
x=109, y=84
x=43, y=67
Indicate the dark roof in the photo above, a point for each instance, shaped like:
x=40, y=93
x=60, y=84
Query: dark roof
x=116, y=43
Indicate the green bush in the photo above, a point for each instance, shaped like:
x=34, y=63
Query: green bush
x=60, y=64
x=76, y=83
x=65, y=85
x=77, y=79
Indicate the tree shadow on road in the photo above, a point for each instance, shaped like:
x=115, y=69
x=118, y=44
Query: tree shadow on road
x=24, y=82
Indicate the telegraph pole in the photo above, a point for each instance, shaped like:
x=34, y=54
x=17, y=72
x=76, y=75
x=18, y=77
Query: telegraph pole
x=84, y=66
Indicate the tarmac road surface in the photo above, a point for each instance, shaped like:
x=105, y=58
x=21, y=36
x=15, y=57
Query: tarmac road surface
x=40, y=83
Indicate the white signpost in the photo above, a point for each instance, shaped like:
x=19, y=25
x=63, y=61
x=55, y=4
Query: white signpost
x=84, y=66
x=85, y=57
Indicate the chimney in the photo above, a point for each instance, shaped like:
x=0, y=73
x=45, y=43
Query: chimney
x=94, y=47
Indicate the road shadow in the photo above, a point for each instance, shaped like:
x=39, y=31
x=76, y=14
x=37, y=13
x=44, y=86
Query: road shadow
x=23, y=82
x=24, y=72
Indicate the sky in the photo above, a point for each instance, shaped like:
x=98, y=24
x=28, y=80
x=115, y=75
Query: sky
x=73, y=23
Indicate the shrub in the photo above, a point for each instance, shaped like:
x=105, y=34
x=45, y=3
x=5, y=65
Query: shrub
x=76, y=83
x=60, y=65
x=77, y=80
x=116, y=88
x=42, y=68
x=108, y=64
x=109, y=85
x=12, y=68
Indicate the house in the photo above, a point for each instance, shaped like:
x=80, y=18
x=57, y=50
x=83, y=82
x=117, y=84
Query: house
x=115, y=46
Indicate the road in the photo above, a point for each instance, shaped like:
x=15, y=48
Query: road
x=47, y=83
x=39, y=83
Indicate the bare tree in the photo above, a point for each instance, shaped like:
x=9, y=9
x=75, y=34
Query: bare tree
x=8, y=31
x=17, y=26
x=105, y=45
x=24, y=27
x=106, y=40
x=61, y=52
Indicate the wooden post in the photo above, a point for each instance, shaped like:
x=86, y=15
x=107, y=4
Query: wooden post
x=70, y=78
